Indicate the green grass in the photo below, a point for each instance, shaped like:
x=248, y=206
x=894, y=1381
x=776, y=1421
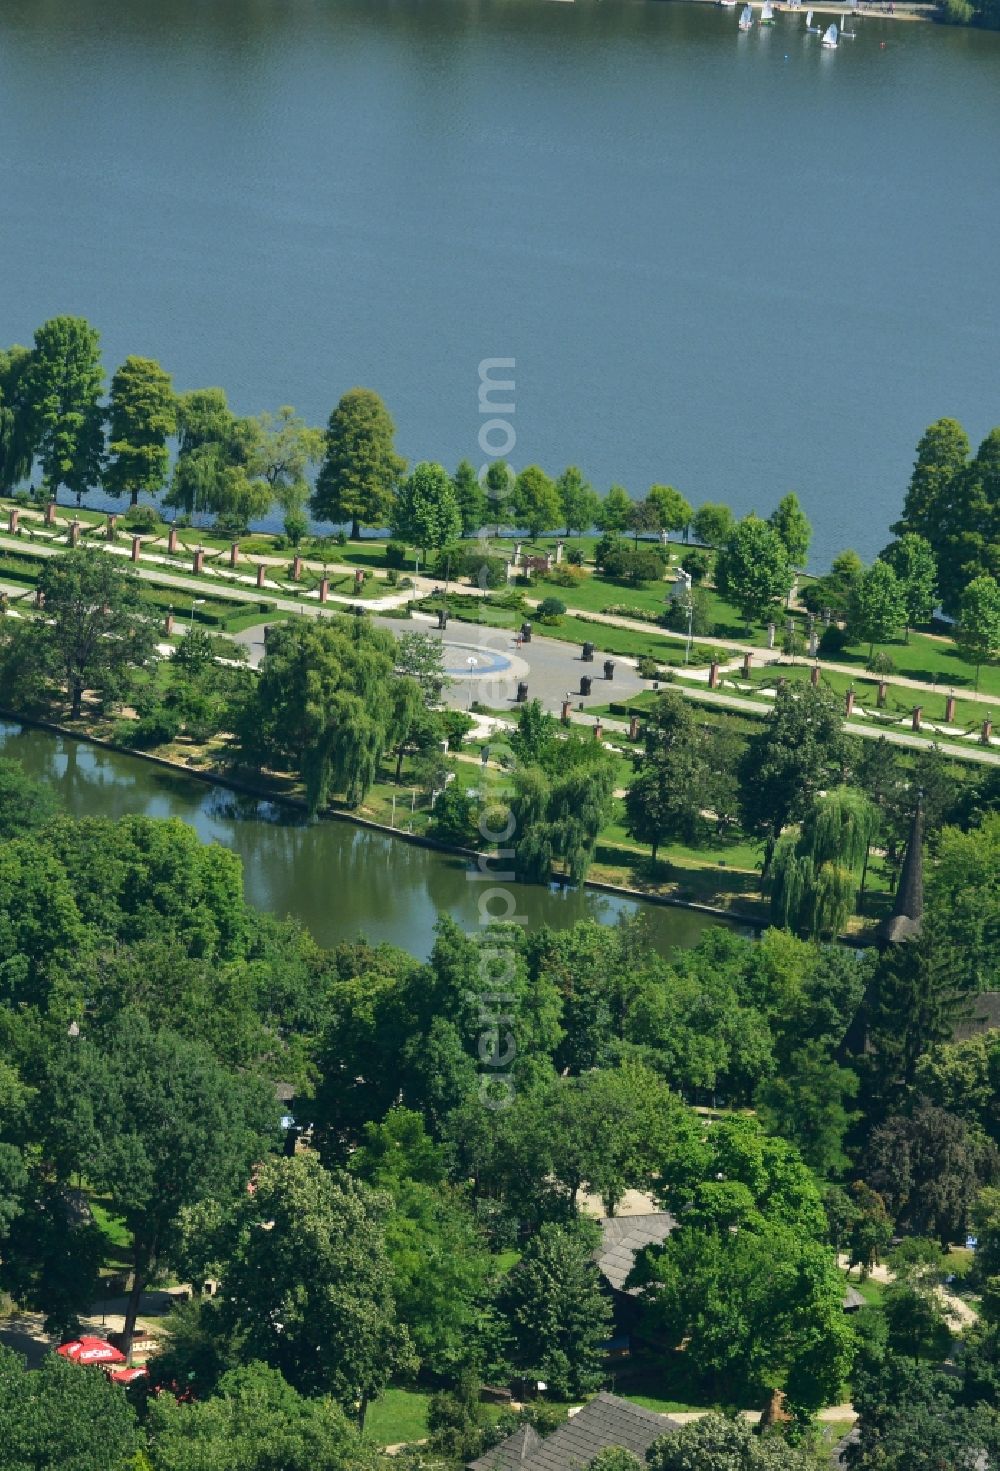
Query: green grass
x=400, y=1415
x=870, y=1290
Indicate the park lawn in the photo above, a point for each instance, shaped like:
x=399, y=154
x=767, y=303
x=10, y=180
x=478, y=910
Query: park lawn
x=399, y=1415
x=900, y=700
x=117, y=1253
x=932, y=660
x=870, y=1290
x=595, y=593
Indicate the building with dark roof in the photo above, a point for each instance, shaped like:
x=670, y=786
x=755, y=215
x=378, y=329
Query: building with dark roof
x=606, y=1420
x=907, y=915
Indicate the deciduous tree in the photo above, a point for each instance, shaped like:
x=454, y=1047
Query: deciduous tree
x=752, y=570
x=537, y=504
x=578, y=499
x=978, y=635
x=426, y=511
x=913, y=561
x=62, y=389
x=792, y=524
x=142, y=416
x=361, y=470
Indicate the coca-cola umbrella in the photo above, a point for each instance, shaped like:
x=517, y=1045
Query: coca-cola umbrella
x=90, y=1350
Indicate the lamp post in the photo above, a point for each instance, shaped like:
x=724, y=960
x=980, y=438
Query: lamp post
x=195, y=603
x=687, y=646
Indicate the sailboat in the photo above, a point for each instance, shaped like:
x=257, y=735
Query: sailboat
x=830, y=38
x=746, y=18
x=766, y=14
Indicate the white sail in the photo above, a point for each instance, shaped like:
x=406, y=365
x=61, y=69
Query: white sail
x=766, y=12
x=830, y=39
x=746, y=18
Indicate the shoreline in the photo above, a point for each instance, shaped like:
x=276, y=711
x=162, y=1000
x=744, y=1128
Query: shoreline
x=213, y=777
x=904, y=10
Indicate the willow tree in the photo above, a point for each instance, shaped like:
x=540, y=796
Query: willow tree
x=814, y=875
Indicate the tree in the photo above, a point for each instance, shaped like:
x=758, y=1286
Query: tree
x=752, y=570
x=254, y=1421
x=559, y=820
x=942, y=455
x=95, y=630
x=800, y=751
x=330, y=1327
x=328, y=701
x=360, y=472
x=578, y=499
x=613, y=511
x=814, y=876
x=426, y=512
x=162, y=1126
x=16, y=429
x=556, y=1310
x=978, y=634
x=142, y=416
x=643, y=517
x=673, y=511
x=926, y=1168
x=877, y=606
x=536, y=501
x=913, y=561
x=909, y=1419
x=470, y=497
x=498, y=484
x=25, y=802
x=286, y=449
x=870, y=1230
x=712, y=524
x=63, y=383
x=665, y=798
x=716, y=1443
x=791, y=523
x=420, y=656
x=972, y=542
x=61, y=1417
x=611, y=1126
x=758, y=1310
x=218, y=467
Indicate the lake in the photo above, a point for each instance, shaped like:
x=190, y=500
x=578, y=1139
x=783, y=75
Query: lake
x=341, y=881
x=736, y=263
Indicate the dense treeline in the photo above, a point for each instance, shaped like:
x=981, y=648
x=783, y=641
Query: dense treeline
x=384, y=1254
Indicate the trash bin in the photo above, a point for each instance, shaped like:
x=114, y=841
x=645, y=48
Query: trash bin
x=526, y=633
x=588, y=653
x=585, y=683
x=609, y=669
x=522, y=691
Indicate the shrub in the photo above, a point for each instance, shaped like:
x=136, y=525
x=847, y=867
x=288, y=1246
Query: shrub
x=647, y=668
x=675, y=614
x=698, y=563
x=509, y=597
x=451, y=820
x=341, y=538
x=566, y=576
x=634, y=565
x=157, y=728
x=395, y=555
x=456, y=725
x=606, y=547
x=574, y=557
x=550, y=610
x=881, y=663
x=142, y=518
x=833, y=640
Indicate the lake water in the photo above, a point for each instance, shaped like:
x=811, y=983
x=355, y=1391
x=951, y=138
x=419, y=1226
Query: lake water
x=341, y=881
x=737, y=263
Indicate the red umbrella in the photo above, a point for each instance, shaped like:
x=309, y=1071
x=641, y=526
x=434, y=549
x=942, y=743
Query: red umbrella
x=90, y=1350
x=126, y=1376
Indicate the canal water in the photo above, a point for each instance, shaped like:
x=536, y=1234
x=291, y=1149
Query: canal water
x=740, y=264
x=341, y=881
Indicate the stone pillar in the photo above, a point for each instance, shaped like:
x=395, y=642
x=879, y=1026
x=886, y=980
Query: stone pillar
x=296, y=567
x=74, y=533
x=39, y=598
x=50, y=514
x=517, y=554
x=918, y=711
x=359, y=579
x=172, y=539
x=4, y=603
x=261, y=570
x=234, y=554
x=747, y=664
x=136, y=547
x=633, y=728
x=112, y=527
x=987, y=734
x=849, y=702
x=198, y=561
x=564, y=716
x=813, y=643
x=814, y=676
x=598, y=732
x=560, y=548
x=949, y=710
x=324, y=589
x=772, y=629
x=713, y=675
x=883, y=693
x=168, y=624
x=14, y=521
